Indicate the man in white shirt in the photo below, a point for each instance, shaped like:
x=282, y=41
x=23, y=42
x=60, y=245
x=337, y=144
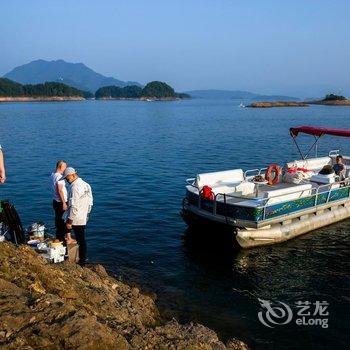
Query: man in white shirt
x=60, y=198
x=2, y=168
x=80, y=203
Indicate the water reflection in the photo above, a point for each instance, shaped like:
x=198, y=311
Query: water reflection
x=308, y=268
x=293, y=269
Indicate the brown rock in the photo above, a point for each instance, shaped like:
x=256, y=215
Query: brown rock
x=41, y=99
x=65, y=306
x=265, y=104
x=345, y=102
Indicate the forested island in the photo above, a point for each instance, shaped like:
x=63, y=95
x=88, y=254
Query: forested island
x=328, y=100
x=49, y=91
x=155, y=90
x=53, y=91
x=332, y=100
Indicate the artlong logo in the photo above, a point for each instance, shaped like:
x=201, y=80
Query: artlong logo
x=273, y=314
x=279, y=313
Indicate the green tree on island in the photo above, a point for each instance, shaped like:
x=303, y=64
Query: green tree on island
x=333, y=97
x=131, y=91
x=9, y=88
x=158, y=89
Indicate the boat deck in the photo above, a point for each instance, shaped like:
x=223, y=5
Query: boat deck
x=236, y=197
x=238, y=187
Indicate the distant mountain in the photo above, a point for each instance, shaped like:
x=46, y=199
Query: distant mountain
x=221, y=94
x=238, y=94
x=73, y=74
x=275, y=98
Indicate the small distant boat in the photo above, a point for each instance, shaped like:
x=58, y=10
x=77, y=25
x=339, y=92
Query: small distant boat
x=149, y=100
x=261, y=206
x=241, y=105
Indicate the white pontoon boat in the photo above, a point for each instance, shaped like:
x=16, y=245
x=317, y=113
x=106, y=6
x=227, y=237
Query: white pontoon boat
x=272, y=205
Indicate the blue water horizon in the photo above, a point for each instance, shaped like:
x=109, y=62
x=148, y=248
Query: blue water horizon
x=136, y=156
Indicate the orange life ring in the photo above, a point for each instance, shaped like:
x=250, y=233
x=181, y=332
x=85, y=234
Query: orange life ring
x=268, y=175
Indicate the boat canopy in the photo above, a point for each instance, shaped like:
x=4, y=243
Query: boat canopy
x=318, y=131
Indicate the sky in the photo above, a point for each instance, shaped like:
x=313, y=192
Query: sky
x=298, y=47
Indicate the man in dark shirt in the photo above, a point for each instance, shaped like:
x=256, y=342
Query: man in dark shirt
x=339, y=167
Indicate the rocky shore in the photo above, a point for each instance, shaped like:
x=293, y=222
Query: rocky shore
x=277, y=104
x=65, y=306
x=265, y=104
x=330, y=102
x=41, y=99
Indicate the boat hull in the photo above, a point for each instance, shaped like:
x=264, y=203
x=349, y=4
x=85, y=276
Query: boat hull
x=195, y=220
x=288, y=228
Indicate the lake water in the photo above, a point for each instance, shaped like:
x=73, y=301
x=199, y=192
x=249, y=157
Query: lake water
x=136, y=156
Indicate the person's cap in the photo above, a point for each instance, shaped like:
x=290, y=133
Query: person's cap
x=68, y=171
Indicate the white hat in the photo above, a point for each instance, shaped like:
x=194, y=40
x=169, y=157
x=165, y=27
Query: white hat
x=68, y=171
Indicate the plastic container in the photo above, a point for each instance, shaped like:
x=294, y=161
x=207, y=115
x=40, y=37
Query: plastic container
x=33, y=243
x=37, y=229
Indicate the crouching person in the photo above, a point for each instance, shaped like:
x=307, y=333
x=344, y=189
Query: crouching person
x=80, y=203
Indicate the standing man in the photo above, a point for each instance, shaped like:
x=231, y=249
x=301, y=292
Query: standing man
x=80, y=203
x=59, y=202
x=2, y=168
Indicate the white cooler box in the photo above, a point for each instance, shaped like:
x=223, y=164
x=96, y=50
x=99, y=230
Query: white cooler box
x=55, y=254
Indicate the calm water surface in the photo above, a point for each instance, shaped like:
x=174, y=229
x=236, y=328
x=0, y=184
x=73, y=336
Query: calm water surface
x=136, y=156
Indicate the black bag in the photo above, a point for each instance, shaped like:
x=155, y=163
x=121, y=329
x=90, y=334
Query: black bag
x=11, y=223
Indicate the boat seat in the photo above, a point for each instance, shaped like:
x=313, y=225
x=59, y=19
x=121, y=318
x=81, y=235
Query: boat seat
x=323, y=179
x=313, y=164
x=224, y=189
x=287, y=193
x=228, y=178
x=244, y=188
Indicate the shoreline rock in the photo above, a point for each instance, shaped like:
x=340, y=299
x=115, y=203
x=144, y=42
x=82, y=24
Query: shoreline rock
x=42, y=99
x=264, y=104
x=65, y=306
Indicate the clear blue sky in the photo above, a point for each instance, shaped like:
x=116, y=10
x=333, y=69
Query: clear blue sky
x=299, y=46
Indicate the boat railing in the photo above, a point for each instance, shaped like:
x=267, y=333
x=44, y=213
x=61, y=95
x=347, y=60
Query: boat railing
x=255, y=172
x=191, y=181
x=327, y=188
x=334, y=152
x=258, y=171
x=224, y=195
